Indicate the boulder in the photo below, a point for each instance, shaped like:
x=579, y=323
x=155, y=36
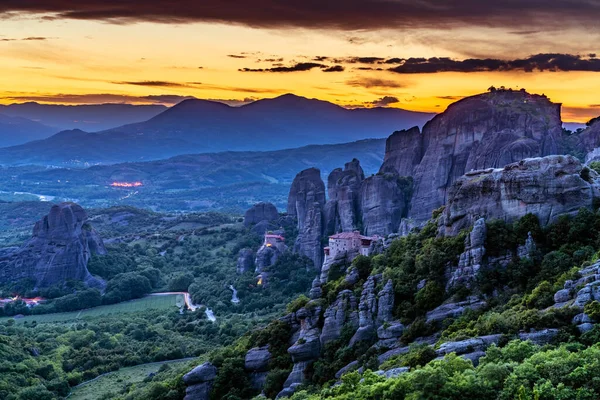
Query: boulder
x=59, y=250
x=257, y=359
x=260, y=212
x=542, y=337
x=348, y=368
x=202, y=373
x=392, y=330
x=199, y=382
x=453, y=310
x=392, y=373
x=547, y=187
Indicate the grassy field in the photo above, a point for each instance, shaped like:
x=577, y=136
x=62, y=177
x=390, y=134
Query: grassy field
x=112, y=383
x=146, y=303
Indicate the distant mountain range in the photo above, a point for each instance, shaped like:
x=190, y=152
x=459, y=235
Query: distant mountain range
x=17, y=130
x=200, y=126
x=228, y=180
x=89, y=117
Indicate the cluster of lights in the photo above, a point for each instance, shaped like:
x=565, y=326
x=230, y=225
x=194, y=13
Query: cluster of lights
x=127, y=184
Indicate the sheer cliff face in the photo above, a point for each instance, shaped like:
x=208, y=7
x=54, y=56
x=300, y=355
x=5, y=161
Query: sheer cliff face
x=547, y=187
x=489, y=130
x=59, y=250
x=306, y=202
x=344, y=188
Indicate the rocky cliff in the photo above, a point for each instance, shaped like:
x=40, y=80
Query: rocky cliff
x=489, y=130
x=546, y=187
x=59, y=250
x=344, y=190
x=306, y=202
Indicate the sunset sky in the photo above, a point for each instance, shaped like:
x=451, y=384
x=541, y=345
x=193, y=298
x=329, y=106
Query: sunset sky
x=417, y=55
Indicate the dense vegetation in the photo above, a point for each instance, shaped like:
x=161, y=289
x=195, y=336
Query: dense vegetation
x=147, y=252
x=518, y=292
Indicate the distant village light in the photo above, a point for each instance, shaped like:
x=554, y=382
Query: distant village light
x=127, y=184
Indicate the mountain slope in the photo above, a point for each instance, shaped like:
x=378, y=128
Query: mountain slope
x=17, y=130
x=199, y=126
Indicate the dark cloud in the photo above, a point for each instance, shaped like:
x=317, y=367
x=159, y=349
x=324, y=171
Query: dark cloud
x=307, y=66
x=334, y=68
x=347, y=15
x=384, y=101
x=370, y=83
x=236, y=56
x=320, y=58
x=538, y=62
x=159, y=83
x=30, y=38
x=364, y=60
x=450, y=97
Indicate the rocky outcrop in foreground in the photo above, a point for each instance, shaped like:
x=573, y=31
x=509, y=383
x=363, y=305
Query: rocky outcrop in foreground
x=199, y=382
x=547, y=187
x=62, y=244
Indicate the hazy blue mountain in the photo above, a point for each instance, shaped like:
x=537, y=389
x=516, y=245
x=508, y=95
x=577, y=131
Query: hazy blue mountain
x=89, y=117
x=229, y=180
x=16, y=130
x=200, y=126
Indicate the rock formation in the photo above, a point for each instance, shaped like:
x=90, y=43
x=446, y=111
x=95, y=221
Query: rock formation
x=584, y=290
x=257, y=364
x=245, y=261
x=269, y=252
x=343, y=311
x=306, y=202
x=471, y=259
x=342, y=209
x=374, y=309
x=62, y=244
x=261, y=213
x=403, y=152
x=307, y=347
x=546, y=187
x=199, y=382
x=384, y=201
x=489, y=130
